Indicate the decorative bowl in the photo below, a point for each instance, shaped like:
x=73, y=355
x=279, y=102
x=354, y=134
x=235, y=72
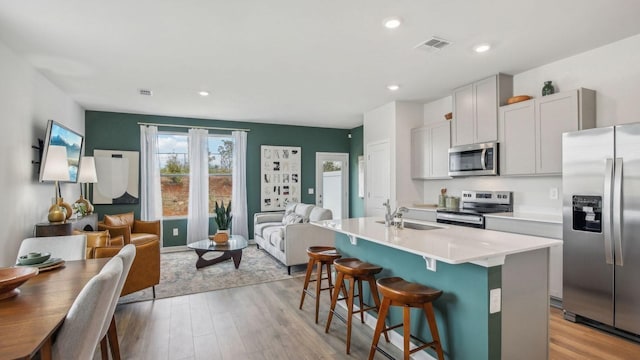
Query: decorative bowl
x=517, y=99
x=33, y=258
x=220, y=238
x=12, y=277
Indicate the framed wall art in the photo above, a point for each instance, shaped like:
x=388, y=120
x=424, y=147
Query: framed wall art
x=117, y=177
x=280, y=176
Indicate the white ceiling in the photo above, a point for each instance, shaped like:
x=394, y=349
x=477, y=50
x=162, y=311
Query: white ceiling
x=301, y=62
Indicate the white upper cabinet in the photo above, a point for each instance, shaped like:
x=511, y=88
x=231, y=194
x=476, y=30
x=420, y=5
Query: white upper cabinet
x=430, y=151
x=530, y=133
x=475, y=109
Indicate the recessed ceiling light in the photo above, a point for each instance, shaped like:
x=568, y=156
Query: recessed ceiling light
x=203, y=93
x=481, y=48
x=393, y=87
x=392, y=22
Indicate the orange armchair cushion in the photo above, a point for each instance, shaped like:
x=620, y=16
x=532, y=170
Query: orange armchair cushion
x=119, y=219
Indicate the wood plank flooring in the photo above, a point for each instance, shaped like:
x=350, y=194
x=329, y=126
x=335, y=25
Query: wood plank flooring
x=263, y=322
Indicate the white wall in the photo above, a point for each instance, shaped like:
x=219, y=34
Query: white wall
x=27, y=101
x=613, y=71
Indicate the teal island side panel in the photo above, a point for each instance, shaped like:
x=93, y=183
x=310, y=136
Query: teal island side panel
x=466, y=328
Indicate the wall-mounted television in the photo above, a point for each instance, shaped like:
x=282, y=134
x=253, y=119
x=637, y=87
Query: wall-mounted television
x=58, y=134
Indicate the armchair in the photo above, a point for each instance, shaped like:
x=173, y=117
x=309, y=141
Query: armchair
x=123, y=229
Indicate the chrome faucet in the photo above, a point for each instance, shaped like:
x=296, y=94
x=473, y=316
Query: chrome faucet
x=389, y=216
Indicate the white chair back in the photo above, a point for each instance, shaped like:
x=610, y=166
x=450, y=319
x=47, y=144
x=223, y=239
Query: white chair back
x=68, y=247
x=80, y=332
x=126, y=254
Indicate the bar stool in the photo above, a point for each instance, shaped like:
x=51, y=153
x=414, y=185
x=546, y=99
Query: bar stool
x=319, y=256
x=355, y=271
x=398, y=292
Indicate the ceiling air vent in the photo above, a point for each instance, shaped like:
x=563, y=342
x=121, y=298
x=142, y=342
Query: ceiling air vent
x=433, y=44
x=145, y=92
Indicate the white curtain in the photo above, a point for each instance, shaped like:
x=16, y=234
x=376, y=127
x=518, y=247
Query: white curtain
x=150, y=197
x=239, y=222
x=198, y=218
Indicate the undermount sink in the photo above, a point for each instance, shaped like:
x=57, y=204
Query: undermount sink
x=416, y=226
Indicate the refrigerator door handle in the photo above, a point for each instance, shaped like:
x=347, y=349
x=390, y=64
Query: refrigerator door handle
x=617, y=212
x=606, y=211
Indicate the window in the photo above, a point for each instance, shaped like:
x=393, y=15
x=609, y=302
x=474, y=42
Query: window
x=173, y=154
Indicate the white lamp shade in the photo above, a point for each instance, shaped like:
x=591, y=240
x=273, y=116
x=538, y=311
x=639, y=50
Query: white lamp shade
x=87, y=172
x=56, y=165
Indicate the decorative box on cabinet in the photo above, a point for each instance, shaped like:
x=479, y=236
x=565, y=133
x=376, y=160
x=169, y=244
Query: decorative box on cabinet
x=475, y=109
x=530, y=132
x=429, y=151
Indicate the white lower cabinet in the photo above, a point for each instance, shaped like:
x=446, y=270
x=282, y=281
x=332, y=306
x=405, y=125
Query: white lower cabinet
x=524, y=226
x=430, y=151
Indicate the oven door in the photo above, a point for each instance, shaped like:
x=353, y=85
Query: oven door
x=475, y=159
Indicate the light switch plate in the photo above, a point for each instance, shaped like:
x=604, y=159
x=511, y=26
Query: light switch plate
x=310, y=191
x=553, y=193
x=495, y=300
x=175, y=231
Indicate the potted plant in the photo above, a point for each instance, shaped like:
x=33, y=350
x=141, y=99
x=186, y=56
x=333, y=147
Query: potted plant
x=223, y=220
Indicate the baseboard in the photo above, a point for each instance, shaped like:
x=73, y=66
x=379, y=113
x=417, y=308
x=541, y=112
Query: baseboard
x=396, y=339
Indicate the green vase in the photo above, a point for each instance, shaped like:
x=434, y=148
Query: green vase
x=547, y=89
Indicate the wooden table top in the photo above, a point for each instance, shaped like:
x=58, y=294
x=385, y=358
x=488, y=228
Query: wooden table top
x=32, y=317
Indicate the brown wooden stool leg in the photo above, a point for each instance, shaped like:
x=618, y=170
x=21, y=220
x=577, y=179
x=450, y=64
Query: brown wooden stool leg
x=307, y=277
x=329, y=280
x=406, y=320
x=361, y=303
x=352, y=287
x=318, y=287
x=334, y=300
x=433, y=327
x=376, y=299
x=382, y=314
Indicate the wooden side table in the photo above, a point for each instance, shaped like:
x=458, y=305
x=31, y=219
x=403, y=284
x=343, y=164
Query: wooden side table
x=86, y=223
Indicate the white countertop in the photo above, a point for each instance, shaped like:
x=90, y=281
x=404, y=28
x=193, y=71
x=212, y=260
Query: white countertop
x=547, y=218
x=449, y=243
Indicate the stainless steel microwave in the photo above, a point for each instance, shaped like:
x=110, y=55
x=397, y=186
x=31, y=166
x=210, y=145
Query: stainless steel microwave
x=475, y=159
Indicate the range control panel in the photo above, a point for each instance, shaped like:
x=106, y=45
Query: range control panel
x=487, y=197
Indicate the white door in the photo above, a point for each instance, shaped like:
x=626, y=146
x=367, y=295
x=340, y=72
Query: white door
x=332, y=183
x=378, y=179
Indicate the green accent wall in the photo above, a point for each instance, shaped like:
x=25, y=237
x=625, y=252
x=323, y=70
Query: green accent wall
x=120, y=131
x=356, y=148
x=466, y=328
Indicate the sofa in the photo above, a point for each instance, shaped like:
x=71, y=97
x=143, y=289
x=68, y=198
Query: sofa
x=287, y=235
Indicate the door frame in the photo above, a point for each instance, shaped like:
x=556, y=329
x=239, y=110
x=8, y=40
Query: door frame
x=334, y=156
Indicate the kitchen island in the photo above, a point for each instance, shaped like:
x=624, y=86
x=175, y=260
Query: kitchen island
x=495, y=303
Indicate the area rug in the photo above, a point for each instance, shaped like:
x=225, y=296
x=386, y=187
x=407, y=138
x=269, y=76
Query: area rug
x=179, y=276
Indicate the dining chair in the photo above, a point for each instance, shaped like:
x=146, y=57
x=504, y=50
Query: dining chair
x=127, y=254
x=80, y=332
x=68, y=247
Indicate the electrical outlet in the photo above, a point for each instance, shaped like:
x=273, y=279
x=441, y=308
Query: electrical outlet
x=553, y=193
x=495, y=300
x=175, y=231
x=310, y=191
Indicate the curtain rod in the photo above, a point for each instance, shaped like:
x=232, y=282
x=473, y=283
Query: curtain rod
x=192, y=126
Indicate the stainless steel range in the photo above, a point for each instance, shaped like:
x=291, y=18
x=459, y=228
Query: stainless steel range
x=473, y=205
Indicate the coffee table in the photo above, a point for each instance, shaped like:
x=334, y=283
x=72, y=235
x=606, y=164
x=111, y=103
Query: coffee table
x=231, y=250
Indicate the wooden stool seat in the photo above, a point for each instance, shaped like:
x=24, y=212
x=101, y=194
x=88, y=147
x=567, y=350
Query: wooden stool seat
x=402, y=291
x=356, y=271
x=399, y=292
x=319, y=256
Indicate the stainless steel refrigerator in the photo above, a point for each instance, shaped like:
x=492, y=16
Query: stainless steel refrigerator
x=601, y=226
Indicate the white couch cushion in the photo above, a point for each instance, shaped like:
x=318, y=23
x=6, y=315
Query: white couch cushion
x=258, y=229
x=274, y=235
x=304, y=210
x=318, y=214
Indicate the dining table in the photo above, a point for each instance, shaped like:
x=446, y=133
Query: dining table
x=29, y=320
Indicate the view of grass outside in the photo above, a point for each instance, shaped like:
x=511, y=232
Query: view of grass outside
x=174, y=172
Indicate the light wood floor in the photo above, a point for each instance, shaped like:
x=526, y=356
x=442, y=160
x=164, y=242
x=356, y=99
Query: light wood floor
x=263, y=322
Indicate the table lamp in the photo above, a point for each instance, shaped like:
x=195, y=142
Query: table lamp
x=86, y=175
x=56, y=168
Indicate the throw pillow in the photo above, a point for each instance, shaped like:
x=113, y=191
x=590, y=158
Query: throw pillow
x=292, y=218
